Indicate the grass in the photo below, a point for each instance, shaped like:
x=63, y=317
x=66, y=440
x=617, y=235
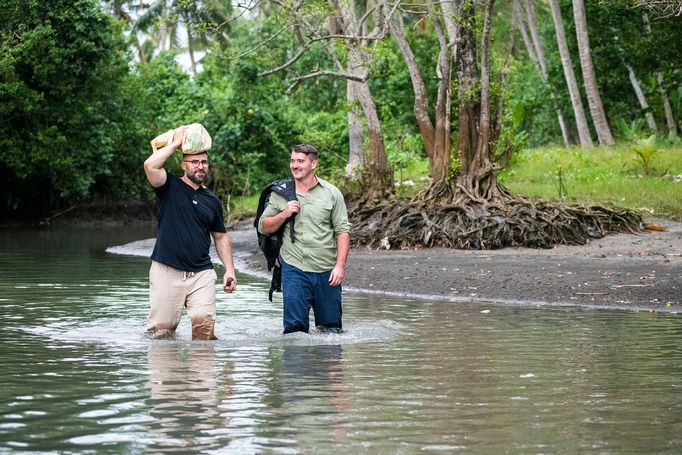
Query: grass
x=602, y=175
x=240, y=207
x=613, y=176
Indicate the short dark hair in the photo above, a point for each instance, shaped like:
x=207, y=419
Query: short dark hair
x=305, y=148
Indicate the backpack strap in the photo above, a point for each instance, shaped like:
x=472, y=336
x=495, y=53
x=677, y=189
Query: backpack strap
x=270, y=244
x=287, y=189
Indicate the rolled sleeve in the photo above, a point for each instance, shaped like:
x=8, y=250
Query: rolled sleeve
x=340, y=215
x=274, y=206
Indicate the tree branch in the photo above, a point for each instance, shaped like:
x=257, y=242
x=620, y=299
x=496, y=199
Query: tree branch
x=661, y=9
x=339, y=74
x=261, y=44
x=291, y=61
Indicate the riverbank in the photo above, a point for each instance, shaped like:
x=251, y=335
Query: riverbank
x=622, y=271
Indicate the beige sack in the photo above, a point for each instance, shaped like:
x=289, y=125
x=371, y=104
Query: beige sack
x=162, y=140
x=194, y=140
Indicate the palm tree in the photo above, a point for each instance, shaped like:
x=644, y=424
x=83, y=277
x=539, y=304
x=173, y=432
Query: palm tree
x=537, y=55
x=601, y=123
x=203, y=21
x=669, y=118
x=119, y=12
x=637, y=87
x=157, y=21
x=574, y=92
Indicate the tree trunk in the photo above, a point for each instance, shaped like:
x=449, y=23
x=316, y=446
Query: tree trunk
x=481, y=178
x=163, y=32
x=636, y=85
x=377, y=177
x=574, y=92
x=477, y=177
x=436, y=139
x=669, y=118
x=356, y=133
x=474, y=210
x=641, y=98
x=537, y=56
x=467, y=77
x=499, y=109
x=450, y=24
x=441, y=156
x=599, y=119
x=421, y=102
x=190, y=47
x=378, y=180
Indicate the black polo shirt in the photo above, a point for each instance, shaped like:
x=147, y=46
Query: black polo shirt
x=186, y=218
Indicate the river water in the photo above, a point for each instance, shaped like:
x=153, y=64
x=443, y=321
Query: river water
x=408, y=376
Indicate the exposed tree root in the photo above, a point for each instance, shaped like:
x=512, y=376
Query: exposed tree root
x=473, y=223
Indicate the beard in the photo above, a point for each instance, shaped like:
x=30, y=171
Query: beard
x=198, y=179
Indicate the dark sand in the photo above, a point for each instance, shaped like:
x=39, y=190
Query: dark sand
x=621, y=271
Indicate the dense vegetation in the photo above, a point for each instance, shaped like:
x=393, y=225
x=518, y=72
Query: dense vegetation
x=84, y=86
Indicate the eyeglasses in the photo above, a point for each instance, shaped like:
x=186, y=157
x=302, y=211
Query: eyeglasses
x=196, y=163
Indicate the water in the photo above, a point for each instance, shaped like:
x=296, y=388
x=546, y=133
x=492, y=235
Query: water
x=408, y=376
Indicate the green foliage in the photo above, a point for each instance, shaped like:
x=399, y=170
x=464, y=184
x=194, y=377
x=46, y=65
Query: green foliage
x=253, y=130
x=328, y=133
x=529, y=109
x=76, y=115
x=631, y=131
x=644, y=150
x=239, y=207
x=404, y=150
x=63, y=71
x=620, y=36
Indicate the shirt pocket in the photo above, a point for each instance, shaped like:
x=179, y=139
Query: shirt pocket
x=322, y=213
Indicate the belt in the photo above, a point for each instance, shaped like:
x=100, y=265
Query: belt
x=186, y=275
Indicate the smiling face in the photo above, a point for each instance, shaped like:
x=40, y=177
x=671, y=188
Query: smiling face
x=302, y=166
x=196, y=173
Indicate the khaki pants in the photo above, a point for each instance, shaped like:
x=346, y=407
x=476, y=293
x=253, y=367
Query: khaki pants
x=171, y=290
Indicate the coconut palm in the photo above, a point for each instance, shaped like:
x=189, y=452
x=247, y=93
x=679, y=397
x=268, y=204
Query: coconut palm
x=574, y=92
x=202, y=21
x=601, y=123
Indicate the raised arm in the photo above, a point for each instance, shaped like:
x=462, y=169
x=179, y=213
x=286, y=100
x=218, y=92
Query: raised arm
x=223, y=246
x=153, y=166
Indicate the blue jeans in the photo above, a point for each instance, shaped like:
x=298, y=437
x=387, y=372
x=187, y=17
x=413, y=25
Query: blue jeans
x=304, y=290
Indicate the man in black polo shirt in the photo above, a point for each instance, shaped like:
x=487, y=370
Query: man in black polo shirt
x=182, y=275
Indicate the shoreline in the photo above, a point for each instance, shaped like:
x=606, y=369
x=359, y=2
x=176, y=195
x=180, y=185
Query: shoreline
x=633, y=272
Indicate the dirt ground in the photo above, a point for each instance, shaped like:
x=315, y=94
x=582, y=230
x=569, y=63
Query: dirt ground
x=623, y=271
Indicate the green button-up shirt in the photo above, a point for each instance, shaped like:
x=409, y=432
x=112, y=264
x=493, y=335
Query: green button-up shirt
x=322, y=217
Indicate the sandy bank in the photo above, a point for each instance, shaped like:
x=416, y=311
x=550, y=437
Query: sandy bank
x=624, y=271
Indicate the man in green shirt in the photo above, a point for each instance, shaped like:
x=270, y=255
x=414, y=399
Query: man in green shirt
x=313, y=265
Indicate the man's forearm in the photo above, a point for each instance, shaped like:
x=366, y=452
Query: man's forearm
x=223, y=246
x=342, y=248
x=272, y=223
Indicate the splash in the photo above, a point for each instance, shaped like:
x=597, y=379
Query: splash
x=129, y=334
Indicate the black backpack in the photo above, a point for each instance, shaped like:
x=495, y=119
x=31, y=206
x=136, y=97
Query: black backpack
x=270, y=244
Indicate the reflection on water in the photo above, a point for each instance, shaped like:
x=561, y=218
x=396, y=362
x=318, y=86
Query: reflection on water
x=408, y=376
x=183, y=383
